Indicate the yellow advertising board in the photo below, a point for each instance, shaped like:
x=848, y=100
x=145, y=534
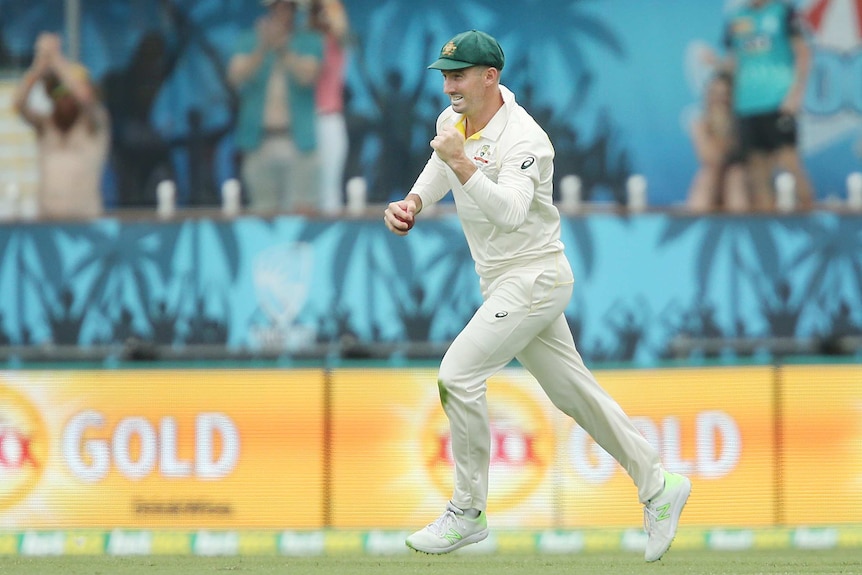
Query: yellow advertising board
x=822, y=444
x=161, y=448
x=393, y=466
x=391, y=452
x=369, y=449
x=714, y=425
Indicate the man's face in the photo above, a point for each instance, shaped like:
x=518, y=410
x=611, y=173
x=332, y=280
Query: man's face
x=465, y=88
x=283, y=12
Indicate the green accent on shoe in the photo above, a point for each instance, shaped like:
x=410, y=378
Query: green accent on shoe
x=663, y=512
x=451, y=531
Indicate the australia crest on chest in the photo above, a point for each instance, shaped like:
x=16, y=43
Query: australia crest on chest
x=482, y=155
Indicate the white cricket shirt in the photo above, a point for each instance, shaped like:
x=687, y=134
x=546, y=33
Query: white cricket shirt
x=506, y=208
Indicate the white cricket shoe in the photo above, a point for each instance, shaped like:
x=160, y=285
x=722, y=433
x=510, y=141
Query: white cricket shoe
x=449, y=532
x=661, y=514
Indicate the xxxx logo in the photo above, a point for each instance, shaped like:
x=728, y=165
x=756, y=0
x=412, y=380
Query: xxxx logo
x=522, y=443
x=23, y=447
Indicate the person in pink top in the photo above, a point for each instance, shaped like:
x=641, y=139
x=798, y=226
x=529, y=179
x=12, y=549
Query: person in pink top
x=330, y=18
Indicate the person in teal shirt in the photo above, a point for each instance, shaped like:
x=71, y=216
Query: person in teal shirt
x=770, y=58
x=274, y=71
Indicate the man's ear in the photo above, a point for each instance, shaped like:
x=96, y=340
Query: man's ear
x=491, y=75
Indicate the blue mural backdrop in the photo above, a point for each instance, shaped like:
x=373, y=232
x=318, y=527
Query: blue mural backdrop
x=615, y=84
x=284, y=285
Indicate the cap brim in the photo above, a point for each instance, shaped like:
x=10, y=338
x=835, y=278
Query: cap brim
x=449, y=64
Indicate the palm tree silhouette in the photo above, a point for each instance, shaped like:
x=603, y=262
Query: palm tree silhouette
x=530, y=40
x=749, y=245
x=530, y=45
x=580, y=244
x=41, y=281
x=451, y=263
x=396, y=22
x=133, y=258
x=208, y=241
x=833, y=254
x=36, y=272
x=725, y=233
x=373, y=270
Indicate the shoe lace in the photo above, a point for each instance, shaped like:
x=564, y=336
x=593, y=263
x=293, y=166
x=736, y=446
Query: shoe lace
x=442, y=524
x=650, y=519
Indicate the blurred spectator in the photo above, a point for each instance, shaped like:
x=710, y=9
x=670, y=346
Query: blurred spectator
x=771, y=60
x=202, y=147
x=6, y=59
x=720, y=182
x=330, y=18
x=275, y=70
x=72, y=133
x=4, y=337
x=140, y=155
x=399, y=113
x=359, y=127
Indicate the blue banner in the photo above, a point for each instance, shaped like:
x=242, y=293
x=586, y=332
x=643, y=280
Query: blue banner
x=285, y=285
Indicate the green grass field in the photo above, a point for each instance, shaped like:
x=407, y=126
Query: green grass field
x=784, y=562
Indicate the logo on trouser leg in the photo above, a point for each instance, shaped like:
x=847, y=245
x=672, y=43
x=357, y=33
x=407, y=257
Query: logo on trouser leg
x=521, y=449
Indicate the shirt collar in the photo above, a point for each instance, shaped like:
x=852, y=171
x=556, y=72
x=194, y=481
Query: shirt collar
x=494, y=128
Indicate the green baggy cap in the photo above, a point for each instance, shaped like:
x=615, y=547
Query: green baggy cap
x=471, y=48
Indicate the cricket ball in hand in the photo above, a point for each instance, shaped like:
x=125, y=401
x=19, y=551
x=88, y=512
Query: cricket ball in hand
x=409, y=222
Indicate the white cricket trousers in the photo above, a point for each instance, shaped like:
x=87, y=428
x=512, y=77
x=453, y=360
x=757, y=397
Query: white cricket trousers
x=523, y=317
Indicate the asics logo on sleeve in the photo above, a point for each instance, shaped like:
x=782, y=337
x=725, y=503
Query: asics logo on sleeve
x=527, y=163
